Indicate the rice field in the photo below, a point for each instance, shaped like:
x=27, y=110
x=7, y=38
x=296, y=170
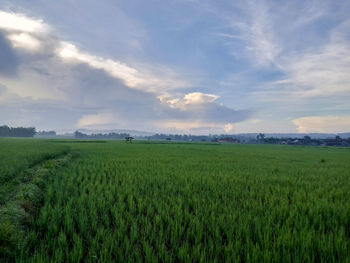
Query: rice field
x=182, y=202
x=24, y=168
x=19, y=154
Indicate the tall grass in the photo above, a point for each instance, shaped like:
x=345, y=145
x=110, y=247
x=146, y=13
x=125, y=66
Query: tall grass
x=195, y=203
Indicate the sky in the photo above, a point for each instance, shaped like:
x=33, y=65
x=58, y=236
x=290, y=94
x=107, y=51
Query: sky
x=180, y=66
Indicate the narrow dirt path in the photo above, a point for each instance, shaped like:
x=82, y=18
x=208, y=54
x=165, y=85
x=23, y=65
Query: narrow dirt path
x=24, y=202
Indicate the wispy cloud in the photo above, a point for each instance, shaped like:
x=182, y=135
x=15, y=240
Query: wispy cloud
x=259, y=35
x=271, y=36
x=254, y=28
x=320, y=72
x=325, y=72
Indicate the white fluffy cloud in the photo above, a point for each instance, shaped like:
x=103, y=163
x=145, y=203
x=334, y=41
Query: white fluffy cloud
x=199, y=110
x=20, y=22
x=24, y=40
x=326, y=124
x=198, y=97
x=188, y=100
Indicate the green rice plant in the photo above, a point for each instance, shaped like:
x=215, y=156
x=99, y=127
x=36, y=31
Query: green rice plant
x=24, y=170
x=146, y=202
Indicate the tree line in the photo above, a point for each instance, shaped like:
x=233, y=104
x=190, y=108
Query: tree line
x=306, y=140
x=6, y=131
x=112, y=135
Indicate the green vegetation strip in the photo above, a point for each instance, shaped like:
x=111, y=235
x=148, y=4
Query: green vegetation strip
x=23, y=200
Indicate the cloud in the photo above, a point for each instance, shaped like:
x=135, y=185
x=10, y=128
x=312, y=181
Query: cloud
x=229, y=128
x=259, y=35
x=116, y=69
x=96, y=120
x=8, y=59
x=198, y=98
x=23, y=40
x=184, y=116
x=131, y=76
x=67, y=87
x=251, y=30
x=304, y=56
x=21, y=22
x=3, y=89
x=34, y=35
x=203, y=107
x=326, y=124
x=195, y=110
x=325, y=72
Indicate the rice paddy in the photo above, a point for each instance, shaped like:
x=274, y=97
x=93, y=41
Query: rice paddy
x=168, y=202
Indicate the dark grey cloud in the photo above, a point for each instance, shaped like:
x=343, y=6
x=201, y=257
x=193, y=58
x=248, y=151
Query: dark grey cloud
x=90, y=91
x=8, y=58
x=3, y=89
x=95, y=88
x=208, y=112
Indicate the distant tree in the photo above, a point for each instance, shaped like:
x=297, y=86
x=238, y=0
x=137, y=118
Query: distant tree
x=260, y=137
x=6, y=131
x=46, y=133
x=307, y=139
x=80, y=135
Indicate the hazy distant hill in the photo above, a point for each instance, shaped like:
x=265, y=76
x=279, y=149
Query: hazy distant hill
x=296, y=135
x=245, y=135
x=344, y=135
x=131, y=132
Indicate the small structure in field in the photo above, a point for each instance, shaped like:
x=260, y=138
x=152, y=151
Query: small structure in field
x=129, y=139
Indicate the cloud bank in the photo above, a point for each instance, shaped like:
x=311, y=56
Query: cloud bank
x=52, y=84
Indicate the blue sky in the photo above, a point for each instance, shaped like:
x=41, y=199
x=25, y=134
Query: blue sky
x=182, y=66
